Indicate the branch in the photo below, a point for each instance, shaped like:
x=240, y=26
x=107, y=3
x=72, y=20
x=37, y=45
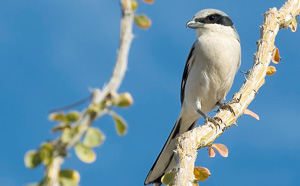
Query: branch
x=98, y=107
x=203, y=136
x=122, y=60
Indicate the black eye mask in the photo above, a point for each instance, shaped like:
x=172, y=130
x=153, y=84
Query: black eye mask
x=215, y=19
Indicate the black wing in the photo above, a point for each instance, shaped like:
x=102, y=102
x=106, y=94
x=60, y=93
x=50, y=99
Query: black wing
x=186, y=71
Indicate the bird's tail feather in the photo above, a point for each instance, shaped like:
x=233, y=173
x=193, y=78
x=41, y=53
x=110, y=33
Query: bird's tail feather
x=165, y=160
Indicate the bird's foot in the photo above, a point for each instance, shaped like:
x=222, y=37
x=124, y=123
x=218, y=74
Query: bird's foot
x=226, y=105
x=211, y=119
x=217, y=121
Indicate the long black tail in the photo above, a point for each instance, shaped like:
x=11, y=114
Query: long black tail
x=165, y=160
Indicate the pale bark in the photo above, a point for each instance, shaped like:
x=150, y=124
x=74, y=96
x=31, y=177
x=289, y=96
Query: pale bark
x=203, y=136
x=60, y=148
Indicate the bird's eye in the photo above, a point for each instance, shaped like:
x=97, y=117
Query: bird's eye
x=212, y=18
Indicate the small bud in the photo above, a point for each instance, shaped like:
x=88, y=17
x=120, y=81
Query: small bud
x=293, y=24
x=134, y=5
x=271, y=70
x=46, y=153
x=142, y=21
x=123, y=100
x=276, y=57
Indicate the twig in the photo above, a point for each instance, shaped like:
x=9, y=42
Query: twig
x=202, y=136
x=88, y=117
x=125, y=41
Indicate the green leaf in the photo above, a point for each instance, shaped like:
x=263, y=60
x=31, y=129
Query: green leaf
x=168, y=178
x=32, y=159
x=94, y=137
x=46, y=152
x=73, y=116
x=84, y=153
x=72, y=175
x=57, y=117
x=68, y=134
x=70, y=117
x=60, y=126
x=67, y=182
x=121, y=125
x=142, y=21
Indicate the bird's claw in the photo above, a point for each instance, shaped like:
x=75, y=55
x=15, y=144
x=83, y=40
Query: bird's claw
x=214, y=121
x=226, y=105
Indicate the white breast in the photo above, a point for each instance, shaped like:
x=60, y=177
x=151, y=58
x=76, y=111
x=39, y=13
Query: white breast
x=217, y=58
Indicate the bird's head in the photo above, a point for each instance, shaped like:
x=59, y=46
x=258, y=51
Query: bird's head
x=212, y=20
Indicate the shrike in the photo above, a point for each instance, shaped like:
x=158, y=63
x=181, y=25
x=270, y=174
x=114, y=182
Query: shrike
x=207, y=77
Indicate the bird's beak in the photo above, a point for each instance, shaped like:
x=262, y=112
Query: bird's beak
x=193, y=24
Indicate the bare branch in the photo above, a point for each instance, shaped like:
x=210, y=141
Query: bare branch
x=203, y=136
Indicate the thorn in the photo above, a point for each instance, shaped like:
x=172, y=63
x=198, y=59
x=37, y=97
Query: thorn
x=225, y=128
x=255, y=92
x=244, y=74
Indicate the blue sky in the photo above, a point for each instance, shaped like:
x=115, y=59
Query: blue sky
x=51, y=52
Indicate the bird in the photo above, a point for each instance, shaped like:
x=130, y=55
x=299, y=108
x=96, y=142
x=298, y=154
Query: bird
x=209, y=71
